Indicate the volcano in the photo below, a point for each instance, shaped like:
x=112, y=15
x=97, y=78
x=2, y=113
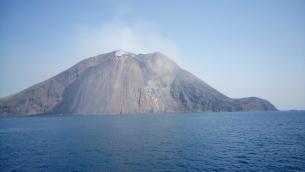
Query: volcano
x=121, y=82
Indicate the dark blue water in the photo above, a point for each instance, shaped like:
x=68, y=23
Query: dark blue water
x=271, y=141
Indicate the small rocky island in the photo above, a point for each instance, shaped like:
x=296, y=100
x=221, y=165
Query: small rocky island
x=120, y=82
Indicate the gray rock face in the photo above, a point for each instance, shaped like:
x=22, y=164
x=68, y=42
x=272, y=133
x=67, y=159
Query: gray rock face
x=122, y=82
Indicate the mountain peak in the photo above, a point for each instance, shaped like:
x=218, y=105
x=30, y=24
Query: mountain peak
x=121, y=52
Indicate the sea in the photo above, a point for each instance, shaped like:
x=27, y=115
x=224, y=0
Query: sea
x=224, y=141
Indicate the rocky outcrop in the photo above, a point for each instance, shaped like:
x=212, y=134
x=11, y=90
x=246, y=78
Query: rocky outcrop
x=123, y=82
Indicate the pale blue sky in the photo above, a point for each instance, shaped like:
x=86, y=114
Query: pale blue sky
x=242, y=48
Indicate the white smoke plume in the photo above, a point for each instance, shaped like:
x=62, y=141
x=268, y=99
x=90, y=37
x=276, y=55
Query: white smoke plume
x=136, y=37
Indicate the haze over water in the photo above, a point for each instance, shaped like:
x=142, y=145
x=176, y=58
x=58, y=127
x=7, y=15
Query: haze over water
x=249, y=141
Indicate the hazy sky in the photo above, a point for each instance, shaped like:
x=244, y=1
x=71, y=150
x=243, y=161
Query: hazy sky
x=242, y=48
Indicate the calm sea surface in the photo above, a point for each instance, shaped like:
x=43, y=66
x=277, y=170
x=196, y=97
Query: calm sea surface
x=268, y=141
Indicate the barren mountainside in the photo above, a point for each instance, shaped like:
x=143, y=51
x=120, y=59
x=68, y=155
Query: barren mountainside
x=122, y=82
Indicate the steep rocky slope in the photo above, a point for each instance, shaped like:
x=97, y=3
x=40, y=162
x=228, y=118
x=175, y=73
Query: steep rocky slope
x=123, y=82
